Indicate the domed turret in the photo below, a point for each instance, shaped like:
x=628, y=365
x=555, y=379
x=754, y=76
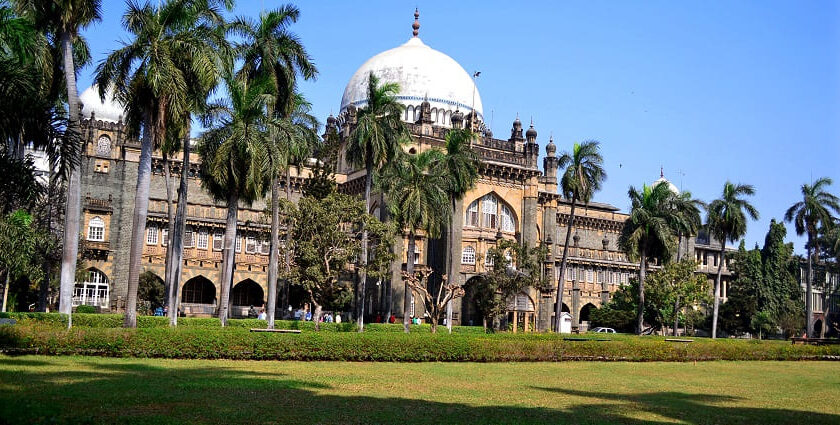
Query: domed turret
x=516, y=131
x=531, y=134
x=457, y=119
x=550, y=148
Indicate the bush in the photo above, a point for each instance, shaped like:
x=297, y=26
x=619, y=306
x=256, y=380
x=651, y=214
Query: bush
x=236, y=342
x=86, y=309
x=620, y=320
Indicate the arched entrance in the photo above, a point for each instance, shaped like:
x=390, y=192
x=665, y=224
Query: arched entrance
x=150, y=292
x=245, y=294
x=583, y=318
x=471, y=314
x=94, y=290
x=198, y=297
x=563, y=309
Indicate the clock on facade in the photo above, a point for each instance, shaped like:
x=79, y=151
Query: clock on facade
x=103, y=146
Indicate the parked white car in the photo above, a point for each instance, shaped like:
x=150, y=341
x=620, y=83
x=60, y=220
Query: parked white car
x=601, y=330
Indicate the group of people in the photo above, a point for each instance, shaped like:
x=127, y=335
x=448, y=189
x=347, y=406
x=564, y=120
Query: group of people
x=254, y=314
x=306, y=315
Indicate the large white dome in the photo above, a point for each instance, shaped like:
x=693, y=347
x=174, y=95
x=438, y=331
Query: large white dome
x=109, y=110
x=422, y=73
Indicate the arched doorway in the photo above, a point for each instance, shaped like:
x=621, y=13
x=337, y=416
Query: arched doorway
x=471, y=314
x=563, y=309
x=150, y=292
x=94, y=290
x=817, y=328
x=583, y=318
x=245, y=294
x=198, y=297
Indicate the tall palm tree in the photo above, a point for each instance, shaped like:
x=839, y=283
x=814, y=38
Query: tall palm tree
x=148, y=81
x=461, y=163
x=808, y=215
x=686, y=220
x=583, y=177
x=270, y=50
x=63, y=21
x=647, y=234
x=376, y=139
x=727, y=222
x=418, y=199
x=234, y=158
x=295, y=137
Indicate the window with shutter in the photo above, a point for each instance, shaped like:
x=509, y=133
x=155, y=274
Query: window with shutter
x=202, y=239
x=164, y=236
x=151, y=234
x=189, y=238
x=238, y=245
x=250, y=245
x=218, y=241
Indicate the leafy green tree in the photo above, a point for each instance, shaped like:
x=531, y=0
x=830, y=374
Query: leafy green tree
x=780, y=291
x=674, y=287
x=19, y=257
x=746, y=292
x=512, y=268
x=62, y=21
x=233, y=155
x=685, y=220
x=583, y=177
x=326, y=235
x=727, y=222
x=416, y=187
x=648, y=234
x=762, y=322
x=375, y=140
x=150, y=292
x=807, y=215
x=146, y=77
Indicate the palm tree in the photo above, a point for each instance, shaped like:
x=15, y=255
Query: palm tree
x=64, y=20
x=647, y=234
x=270, y=51
x=686, y=220
x=148, y=80
x=376, y=139
x=418, y=199
x=234, y=158
x=808, y=215
x=583, y=177
x=461, y=163
x=727, y=222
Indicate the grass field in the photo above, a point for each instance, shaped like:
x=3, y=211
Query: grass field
x=36, y=389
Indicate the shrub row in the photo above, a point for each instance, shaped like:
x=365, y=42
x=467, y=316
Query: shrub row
x=116, y=321
x=239, y=343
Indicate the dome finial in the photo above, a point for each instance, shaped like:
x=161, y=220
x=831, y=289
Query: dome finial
x=416, y=24
x=661, y=171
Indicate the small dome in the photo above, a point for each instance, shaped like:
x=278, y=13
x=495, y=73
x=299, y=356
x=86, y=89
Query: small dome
x=457, y=117
x=331, y=120
x=550, y=148
x=488, y=133
x=516, y=123
x=531, y=133
x=109, y=110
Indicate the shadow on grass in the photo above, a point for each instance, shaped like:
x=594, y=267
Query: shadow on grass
x=134, y=392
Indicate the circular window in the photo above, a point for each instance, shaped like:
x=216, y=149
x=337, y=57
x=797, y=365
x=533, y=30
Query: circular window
x=103, y=146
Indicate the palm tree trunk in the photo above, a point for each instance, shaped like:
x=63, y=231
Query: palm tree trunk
x=70, y=253
x=409, y=268
x=44, y=289
x=170, y=227
x=558, y=307
x=272, y=256
x=389, y=300
x=676, y=314
x=679, y=247
x=229, y=255
x=640, y=312
x=177, y=234
x=809, y=291
x=717, y=289
x=287, y=253
x=453, y=251
x=138, y=225
x=364, y=253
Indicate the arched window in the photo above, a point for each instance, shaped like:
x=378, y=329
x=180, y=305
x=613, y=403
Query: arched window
x=508, y=224
x=96, y=229
x=472, y=214
x=488, y=259
x=446, y=118
x=152, y=234
x=489, y=207
x=93, y=291
x=409, y=113
x=468, y=255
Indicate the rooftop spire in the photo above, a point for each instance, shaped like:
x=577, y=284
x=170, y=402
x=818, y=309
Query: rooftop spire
x=416, y=24
x=661, y=171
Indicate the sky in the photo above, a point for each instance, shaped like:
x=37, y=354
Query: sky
x=745, y=91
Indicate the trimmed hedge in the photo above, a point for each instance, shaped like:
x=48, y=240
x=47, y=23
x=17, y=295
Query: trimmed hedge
x=116, y=321
x=238, y=343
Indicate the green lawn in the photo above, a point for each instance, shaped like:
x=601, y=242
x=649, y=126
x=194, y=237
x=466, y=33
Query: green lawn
x=35, y=389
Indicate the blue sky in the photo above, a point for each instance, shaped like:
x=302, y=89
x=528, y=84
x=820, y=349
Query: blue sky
x=708, y=90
